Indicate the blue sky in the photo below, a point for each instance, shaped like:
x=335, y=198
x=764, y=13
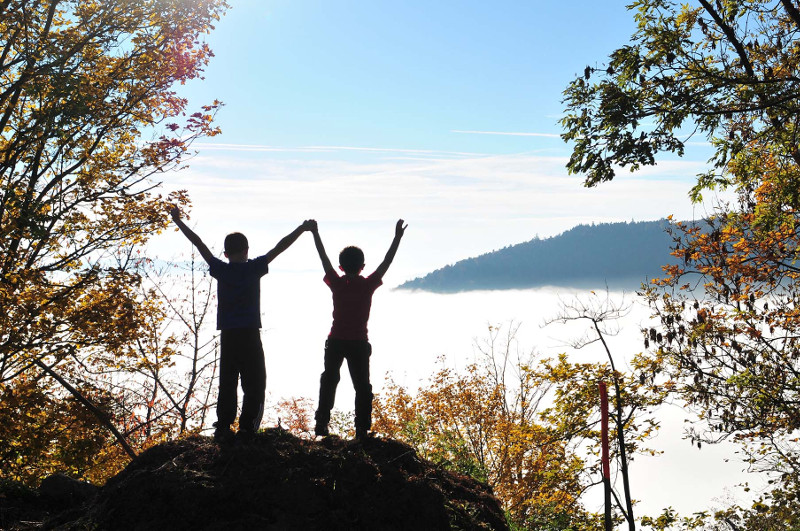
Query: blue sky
x=443, y=113
x=403, y=74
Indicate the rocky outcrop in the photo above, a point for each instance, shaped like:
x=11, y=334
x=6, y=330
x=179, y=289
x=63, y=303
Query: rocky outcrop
x=281, y=482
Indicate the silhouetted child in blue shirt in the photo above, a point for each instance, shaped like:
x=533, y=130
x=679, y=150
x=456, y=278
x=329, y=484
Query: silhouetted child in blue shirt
x=352, y=299
x=239, y=320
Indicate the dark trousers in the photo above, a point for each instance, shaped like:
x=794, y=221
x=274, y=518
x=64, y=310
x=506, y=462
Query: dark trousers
x=357, y=354
x=241, y=355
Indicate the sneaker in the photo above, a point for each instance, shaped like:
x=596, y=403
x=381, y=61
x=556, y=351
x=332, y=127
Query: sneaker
x=321, y=430
x=245, y=436
x=223, y=435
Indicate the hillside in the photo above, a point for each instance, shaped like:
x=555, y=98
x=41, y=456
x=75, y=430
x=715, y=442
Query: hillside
x=614, y=255
x=276, y=482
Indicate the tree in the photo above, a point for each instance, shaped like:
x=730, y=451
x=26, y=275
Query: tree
x=725, y=71
x=734, y=346
x=483, y=422
x=41, y=433
x=82, y=85
x=177, y=358
x=728, y=336
x=575, y=408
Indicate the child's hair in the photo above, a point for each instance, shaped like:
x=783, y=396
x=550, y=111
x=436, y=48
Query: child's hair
x=235, y=242
x=351, y=259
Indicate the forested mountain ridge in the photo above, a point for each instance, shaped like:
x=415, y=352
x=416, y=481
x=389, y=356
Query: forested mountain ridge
x=614, y=255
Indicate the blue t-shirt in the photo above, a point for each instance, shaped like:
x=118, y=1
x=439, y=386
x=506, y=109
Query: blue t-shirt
x=239, y=292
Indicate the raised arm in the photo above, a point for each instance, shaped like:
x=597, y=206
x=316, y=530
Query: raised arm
x=190, y=234
x=323, y=256
x=399, y=229
x=289, y=239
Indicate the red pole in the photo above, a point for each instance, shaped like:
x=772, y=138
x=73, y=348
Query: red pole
x=605, y=457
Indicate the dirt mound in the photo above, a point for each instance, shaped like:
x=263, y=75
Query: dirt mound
x=281, y=482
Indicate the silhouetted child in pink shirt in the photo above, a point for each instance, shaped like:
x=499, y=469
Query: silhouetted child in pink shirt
x=352, y=299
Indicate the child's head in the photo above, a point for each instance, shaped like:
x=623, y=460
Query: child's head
x=351, y=260
x=236, y=246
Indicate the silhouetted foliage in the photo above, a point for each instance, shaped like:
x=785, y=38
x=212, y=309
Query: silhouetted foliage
x=89, y=120
x=727, y=343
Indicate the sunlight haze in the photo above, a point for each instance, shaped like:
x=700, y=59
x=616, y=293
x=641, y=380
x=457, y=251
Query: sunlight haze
x=444, y=114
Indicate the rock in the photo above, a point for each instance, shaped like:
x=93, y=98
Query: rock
x=63, y=490
x=21, y=507
x=281, y=482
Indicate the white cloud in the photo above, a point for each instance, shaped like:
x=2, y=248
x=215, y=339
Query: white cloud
x=505, y=133
x=206, y=146
x=394, y=150
x=456, y=208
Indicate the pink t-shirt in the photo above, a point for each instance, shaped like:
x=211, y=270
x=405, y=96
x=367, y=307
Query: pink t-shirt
x=352, y=299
